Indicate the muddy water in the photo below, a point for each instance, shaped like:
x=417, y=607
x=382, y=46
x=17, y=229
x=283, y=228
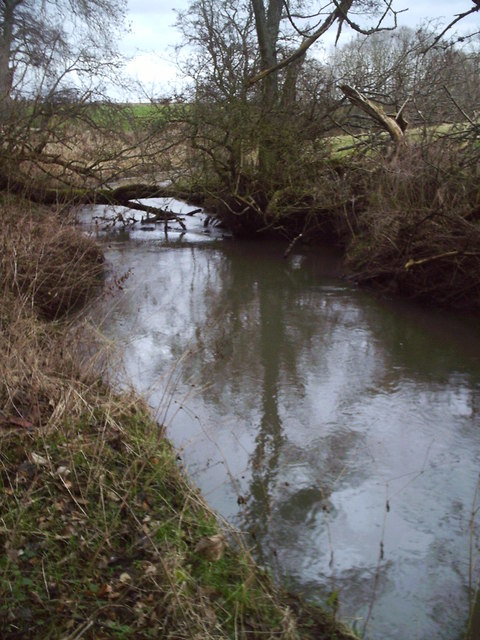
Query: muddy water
x=340, y=432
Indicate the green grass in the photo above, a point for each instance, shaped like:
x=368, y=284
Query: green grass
x=123, y=117
x=99, y=529
x=150, y=116
x=345, y=145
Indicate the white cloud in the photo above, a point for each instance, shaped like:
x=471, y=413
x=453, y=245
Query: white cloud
x=420, y=11
x=155, y=73
x=150, y=43
x=152, y=25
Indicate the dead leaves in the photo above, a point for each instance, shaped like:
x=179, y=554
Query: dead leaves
x=36, y=458
x=12, y=422
x=211, y=548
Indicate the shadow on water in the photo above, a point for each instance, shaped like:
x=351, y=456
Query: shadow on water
x=340, y=432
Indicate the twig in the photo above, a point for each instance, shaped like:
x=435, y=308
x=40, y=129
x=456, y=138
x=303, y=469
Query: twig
x=458, y=17
x=81, y=631
x=380, y=559
x=292, y=244
x=448, y=254
x=465, y=115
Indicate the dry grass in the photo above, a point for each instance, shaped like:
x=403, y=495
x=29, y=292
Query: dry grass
x=46, y=263
x=417, y=228
x=88, y=146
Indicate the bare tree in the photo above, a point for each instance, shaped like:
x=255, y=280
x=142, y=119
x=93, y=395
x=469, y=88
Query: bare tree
x=63, y=139
x=334, y=13
x=394, y=67
x=262, y=46
x=220, y=39
x=59, y=131
x=44, y=42
x=301, y=27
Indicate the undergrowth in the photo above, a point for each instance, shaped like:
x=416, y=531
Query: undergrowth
x=44, y=261
x=417, y=229
x=101, y=534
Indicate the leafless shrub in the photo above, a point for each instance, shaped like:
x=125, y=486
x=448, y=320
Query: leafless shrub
x=50, y=264
x=419, y=228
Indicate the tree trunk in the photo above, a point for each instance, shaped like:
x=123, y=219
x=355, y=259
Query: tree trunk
x=289, y=90
x=125, y=195
x=6, y=39
x=267, y=25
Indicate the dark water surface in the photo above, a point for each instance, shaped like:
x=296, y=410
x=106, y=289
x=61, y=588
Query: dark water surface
x=340, y=432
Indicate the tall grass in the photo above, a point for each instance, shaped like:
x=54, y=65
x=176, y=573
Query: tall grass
x=417, y=228
x=46, y=263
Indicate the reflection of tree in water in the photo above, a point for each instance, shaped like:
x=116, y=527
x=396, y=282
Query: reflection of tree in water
x=250, y=332
x=269, y=440
x=267, y=340
x=260, y=320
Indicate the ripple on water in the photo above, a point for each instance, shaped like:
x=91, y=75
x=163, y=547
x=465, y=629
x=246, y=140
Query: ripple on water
x=348, y=424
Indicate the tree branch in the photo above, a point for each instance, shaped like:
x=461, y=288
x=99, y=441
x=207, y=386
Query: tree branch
x=459, y=17
x=377, y=113
x=338, y=14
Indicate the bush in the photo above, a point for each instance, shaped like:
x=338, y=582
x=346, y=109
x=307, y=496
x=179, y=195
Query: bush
x=53, y=266
x=419, y=230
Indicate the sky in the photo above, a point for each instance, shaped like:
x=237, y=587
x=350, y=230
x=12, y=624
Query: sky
x=152, y=37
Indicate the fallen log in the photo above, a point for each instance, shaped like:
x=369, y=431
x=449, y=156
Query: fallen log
x=45, y=194
x=124, y=196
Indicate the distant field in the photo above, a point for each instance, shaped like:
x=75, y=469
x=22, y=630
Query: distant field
x=113, y=115
x=345, y=144
x=132, y=116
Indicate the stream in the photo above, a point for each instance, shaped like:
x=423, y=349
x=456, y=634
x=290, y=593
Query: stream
x=339, y=431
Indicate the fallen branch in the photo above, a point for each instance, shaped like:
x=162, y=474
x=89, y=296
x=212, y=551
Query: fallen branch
x=448, y=254
x=124, y=196
x=394, y=128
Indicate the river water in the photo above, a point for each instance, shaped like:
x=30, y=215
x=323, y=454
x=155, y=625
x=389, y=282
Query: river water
x=338, y=431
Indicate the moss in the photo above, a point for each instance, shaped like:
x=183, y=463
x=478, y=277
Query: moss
x=100, y=527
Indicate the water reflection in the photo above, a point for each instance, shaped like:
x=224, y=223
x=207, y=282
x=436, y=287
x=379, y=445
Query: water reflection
x=340, y=432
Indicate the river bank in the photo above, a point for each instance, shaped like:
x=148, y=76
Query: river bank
x=407, y=225
x=102, y=535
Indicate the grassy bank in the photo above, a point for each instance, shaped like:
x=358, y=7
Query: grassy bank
x=416, y=229
x=101, y=534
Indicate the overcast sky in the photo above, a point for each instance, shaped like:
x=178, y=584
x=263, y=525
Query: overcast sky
x=153, y=36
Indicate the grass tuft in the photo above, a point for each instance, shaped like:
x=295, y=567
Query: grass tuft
x=46, y=262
